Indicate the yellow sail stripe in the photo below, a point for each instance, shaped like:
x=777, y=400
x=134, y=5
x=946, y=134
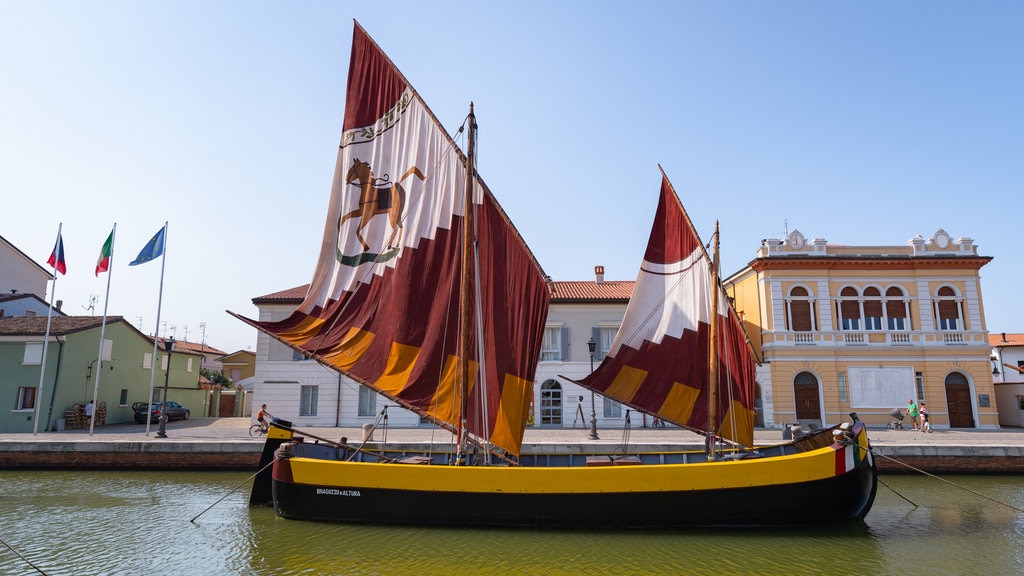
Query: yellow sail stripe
x=401, y=361
x=738, y=424
x=511, y=417
x=442, y=405
x=679, y=402
x=302, y=332
x=626, y=384
x=350, y=349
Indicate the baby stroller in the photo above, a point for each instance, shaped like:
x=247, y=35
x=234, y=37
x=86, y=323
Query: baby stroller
x=897, y=419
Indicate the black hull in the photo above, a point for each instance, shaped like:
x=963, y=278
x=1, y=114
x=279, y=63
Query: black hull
x=810, y=503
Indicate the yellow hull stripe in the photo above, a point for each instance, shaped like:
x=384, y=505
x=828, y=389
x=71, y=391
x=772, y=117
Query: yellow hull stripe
x=808, y=466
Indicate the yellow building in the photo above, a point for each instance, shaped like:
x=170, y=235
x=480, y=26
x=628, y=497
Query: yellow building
x=864, y=329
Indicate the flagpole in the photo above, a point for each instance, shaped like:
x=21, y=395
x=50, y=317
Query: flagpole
x=103, y=329
x=156, y=333
x=46, y=338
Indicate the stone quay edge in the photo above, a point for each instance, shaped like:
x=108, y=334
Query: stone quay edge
x=225, y=444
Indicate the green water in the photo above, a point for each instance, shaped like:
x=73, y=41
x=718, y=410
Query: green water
x=75, y=523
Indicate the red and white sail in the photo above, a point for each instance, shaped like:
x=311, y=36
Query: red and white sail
x=383, y=304
x=659, y=361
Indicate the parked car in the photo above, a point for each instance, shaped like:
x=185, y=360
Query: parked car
x=175, y=411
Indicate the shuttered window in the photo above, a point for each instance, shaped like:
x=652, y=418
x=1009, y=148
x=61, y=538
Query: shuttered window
x=800, y=310
x=872, y=309
x=949, y=309
x=896, y=309
x=849, y=309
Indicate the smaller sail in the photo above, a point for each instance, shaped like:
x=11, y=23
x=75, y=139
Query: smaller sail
x=658, y=362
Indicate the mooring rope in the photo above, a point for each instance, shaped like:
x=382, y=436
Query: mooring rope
x=193, y=520
x=951, y=483
x=18, y=554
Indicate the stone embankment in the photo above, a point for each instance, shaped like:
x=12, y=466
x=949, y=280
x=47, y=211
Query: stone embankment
x=225, y=444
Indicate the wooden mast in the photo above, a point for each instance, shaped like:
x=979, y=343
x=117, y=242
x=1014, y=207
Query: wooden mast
x=465, y=306
x=713, y=353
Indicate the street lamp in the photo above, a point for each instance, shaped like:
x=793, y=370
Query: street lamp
x=591, y=345
x=162, y=433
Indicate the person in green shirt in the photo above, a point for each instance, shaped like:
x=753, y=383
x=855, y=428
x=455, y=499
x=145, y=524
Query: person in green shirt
x=912, y=412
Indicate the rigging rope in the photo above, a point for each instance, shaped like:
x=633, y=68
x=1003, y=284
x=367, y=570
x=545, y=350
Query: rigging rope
x=18, y=554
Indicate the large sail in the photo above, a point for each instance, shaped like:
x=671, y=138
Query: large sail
x=658, y=362
x=383, y=306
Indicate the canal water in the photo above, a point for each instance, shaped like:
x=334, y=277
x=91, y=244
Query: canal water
x=84, y=523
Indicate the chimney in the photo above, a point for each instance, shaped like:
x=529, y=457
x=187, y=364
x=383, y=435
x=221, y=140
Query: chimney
x=599, y=274
x=60, y=303
x=1004, y=336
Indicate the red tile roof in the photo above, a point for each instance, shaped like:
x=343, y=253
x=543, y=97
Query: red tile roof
x=996, y=340
x=612, y=291
x=59, y=325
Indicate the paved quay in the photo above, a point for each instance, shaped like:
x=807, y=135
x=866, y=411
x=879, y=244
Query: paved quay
x=224, y=443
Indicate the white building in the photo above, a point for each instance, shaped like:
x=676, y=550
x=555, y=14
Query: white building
x=1008, y=377
x=311, y=395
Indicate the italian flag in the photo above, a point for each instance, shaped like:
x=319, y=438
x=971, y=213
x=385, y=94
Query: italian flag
x=103, y=264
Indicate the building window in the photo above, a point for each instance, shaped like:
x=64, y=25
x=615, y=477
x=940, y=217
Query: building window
x=188, y=367
x=612, y=409
x=919, y=382
x=26, y=398
x=872, y=309
x=123, y=400
x=849, y=309
x=896, y=309
x=603, y=336
x=108, y=348
x=947, y=308
x=308, y=394
x=556, y=344
x=550, y=403
x=33, y=353
x=801, y=315
x=843, y=395
x=147, y=360
x=298, y=356
x=367, y=401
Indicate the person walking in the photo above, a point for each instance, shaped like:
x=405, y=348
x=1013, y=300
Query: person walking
x=913, y=413
x=926, y=426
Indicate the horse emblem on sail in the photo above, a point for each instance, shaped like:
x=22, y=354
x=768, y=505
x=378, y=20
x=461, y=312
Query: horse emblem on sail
x=376, y=196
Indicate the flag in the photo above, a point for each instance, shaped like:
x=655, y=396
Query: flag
x=57, y=256
x=103, y=264
x=152, y=250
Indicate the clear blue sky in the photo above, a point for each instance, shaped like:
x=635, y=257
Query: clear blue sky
x=863, y=123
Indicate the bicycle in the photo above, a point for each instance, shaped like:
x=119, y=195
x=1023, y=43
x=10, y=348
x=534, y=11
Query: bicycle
x=257, y=430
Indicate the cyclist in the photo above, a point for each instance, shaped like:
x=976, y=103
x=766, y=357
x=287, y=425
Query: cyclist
x=262, y=416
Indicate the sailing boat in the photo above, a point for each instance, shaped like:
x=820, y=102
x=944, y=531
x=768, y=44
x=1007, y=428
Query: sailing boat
x=425, y=292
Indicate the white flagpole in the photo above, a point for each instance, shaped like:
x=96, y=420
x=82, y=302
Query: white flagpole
x=156, y=333
x=103, y=329
x=46, y=339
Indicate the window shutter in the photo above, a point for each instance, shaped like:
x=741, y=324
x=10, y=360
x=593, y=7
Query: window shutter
x=801, y=313
x=599, y=351
x=565, y=343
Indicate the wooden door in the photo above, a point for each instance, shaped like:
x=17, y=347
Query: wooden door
x=958, y=402
x=805, y=393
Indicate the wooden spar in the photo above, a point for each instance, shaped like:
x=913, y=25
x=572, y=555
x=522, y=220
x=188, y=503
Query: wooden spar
x=713, y=352
x=465, y=303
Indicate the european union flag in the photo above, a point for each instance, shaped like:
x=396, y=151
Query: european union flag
x=153, y=249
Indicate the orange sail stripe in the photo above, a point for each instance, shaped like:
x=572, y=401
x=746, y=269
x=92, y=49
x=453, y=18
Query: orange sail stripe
x=511, y=420
x=351, y=349
x=401, y=362
x=626, y=384
x=679, y=403
x=738, y=424
x=304, y=331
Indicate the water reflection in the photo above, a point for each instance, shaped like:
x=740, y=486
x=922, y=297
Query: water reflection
x=135, y=523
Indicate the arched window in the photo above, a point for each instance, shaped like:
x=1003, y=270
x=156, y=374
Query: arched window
x=849, y=309
x=947, y=309
x=551, y=403
x=872, y=309
x=801, y=311
x=896, y=309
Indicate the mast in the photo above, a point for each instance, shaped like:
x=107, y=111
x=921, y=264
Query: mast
x=713, y=353
x=465, y=307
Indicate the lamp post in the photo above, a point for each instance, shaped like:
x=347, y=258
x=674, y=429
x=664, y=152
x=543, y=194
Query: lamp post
x=591, y=345
x=162, y=433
